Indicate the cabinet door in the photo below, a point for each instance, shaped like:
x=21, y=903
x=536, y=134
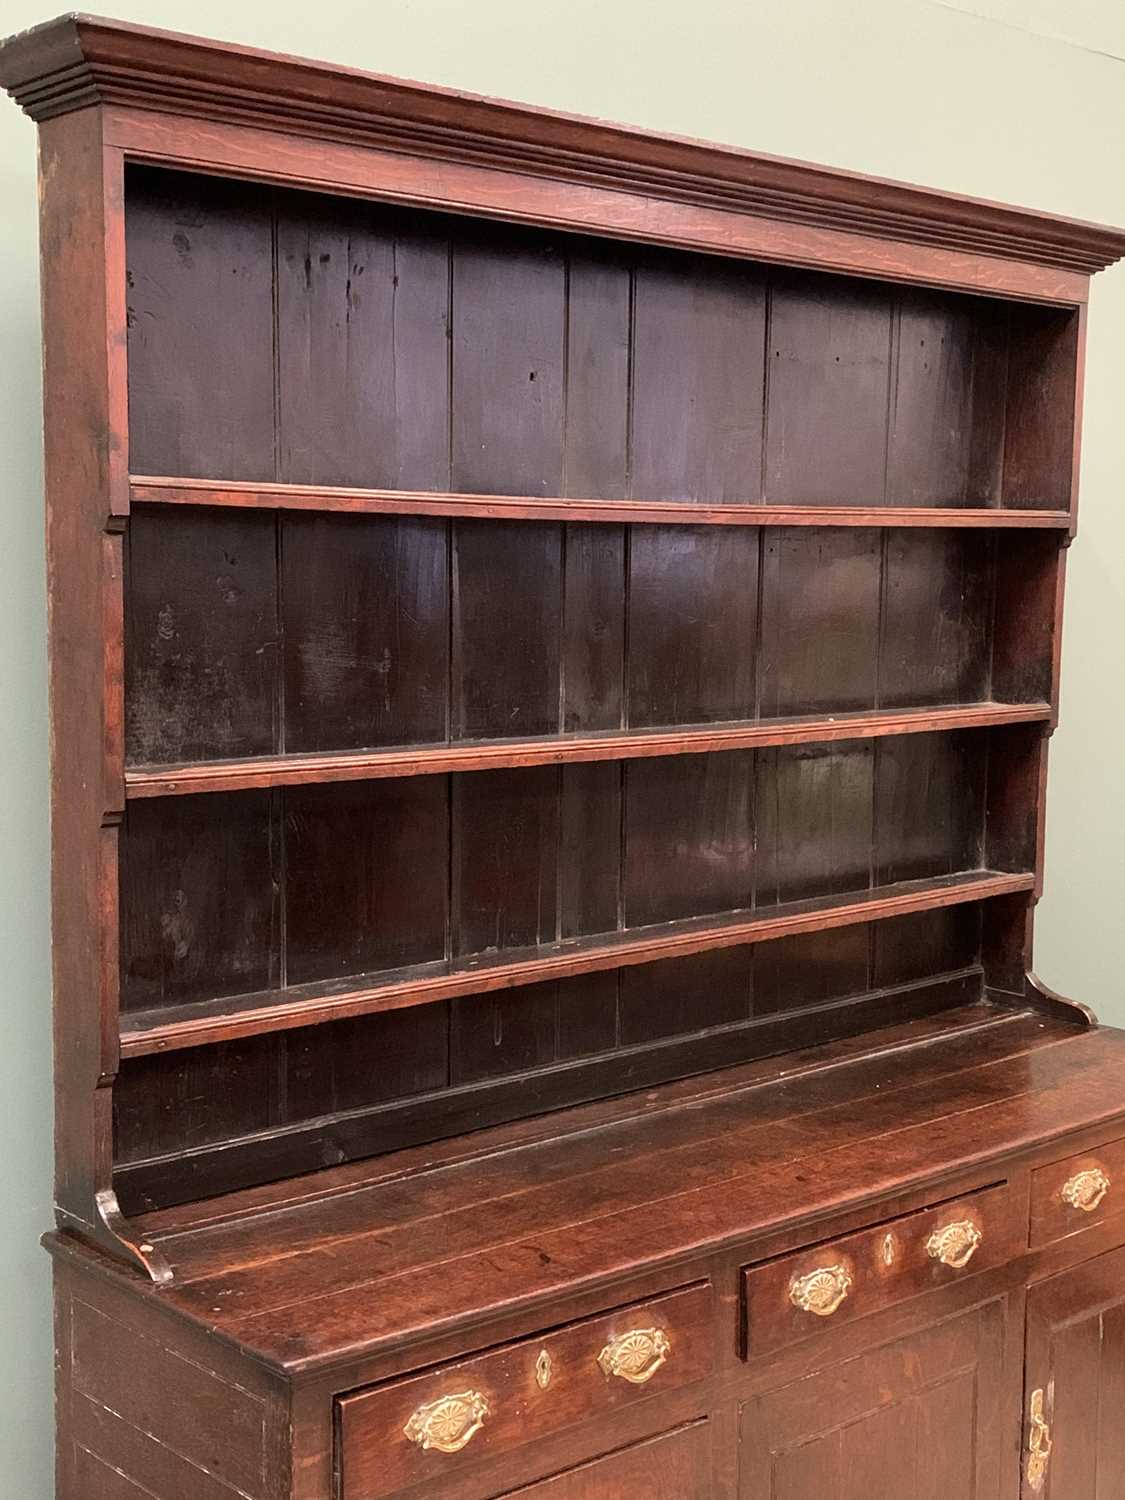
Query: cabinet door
x=674, y=1466
x=921, y=1417
x=1076, y=1384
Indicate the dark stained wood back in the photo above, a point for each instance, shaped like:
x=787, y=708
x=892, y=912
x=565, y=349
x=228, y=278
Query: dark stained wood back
x=295, y=339
x=286, y=336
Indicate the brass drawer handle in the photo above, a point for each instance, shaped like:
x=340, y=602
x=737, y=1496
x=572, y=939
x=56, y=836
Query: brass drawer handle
x=1038, y=1444
x=1085, y=1190
x=636, y=1356
x=954, y=1244
x=821, y=1291
x=448, y=1423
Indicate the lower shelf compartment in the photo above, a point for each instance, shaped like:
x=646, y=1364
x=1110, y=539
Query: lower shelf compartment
x=208, y=1022
x=243, y=1160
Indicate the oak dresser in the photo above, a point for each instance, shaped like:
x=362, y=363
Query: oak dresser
x=554, y=641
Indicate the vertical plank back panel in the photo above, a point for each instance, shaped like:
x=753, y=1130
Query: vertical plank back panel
x=937, y=618
x=505, y=859
x=689, y=836
x=814, y=807
x=369, y=1061
x=820, y=620
x=599, y=352
x=589, y=850
x=507, y=583
x=593, y=627
x=697, y=381
x=931, y=429
x=931, y=942
x=828, y=380
x=692, y=620
x=201, y=327
x=199, y=899
x=812, y=969
x=929, y=805
x=670, y=999
x=201, y=647
x=363, y=347
x=366, y=631
x=509, y=344
x=365, y=876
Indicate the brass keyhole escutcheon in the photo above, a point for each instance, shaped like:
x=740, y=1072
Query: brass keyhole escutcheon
x=1039, y=1443
x=544, y=1369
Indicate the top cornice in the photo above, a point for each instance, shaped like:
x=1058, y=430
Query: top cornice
x=78, y=61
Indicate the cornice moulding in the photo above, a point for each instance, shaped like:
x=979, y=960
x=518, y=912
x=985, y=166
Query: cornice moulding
x=80, y=61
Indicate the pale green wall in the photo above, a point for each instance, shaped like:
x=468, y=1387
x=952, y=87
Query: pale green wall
x=1022, y=100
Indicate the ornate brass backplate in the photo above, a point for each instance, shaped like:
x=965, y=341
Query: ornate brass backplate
x=1085, y=1190
x=955, y=1244
x=448, y=1423
x=821, y=1291
x=636, y=1356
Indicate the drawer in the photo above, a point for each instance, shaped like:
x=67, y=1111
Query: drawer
x=1076, y=1192
x=428, y=1427
x=790, y=1298
x=673, y=1464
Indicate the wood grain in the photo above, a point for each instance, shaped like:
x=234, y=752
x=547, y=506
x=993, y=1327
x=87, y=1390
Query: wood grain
x=297, y=769
x=201, y=648
x=200, y=319
x=365, y=627
x=1075, y=1346
x=375, y=1461
x=173, y=490
x=889, y=1403
x=983, y=1109
x=362, y=384
x=193, y=1026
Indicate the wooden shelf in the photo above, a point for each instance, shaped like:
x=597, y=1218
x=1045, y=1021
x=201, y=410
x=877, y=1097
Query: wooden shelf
x=487, y=755
x=207, y=1022
x=151, y=490
x=372, y=1130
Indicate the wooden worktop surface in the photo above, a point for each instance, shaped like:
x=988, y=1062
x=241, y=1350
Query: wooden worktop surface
x=346, y=1263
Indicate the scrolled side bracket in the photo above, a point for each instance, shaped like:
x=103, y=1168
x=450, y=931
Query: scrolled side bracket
x=1049, y=1002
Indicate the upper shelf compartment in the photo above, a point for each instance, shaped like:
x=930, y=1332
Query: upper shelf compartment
x=282, y=338
x=287, y=642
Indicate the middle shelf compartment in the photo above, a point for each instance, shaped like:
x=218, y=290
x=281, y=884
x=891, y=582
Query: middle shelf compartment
x=322, y=901
x=267, y=648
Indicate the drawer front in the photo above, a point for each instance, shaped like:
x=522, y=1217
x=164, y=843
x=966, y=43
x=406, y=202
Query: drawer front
x=796, y=1296
x=428, y=1427
x=1077, y=1192
x=675, y=1465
